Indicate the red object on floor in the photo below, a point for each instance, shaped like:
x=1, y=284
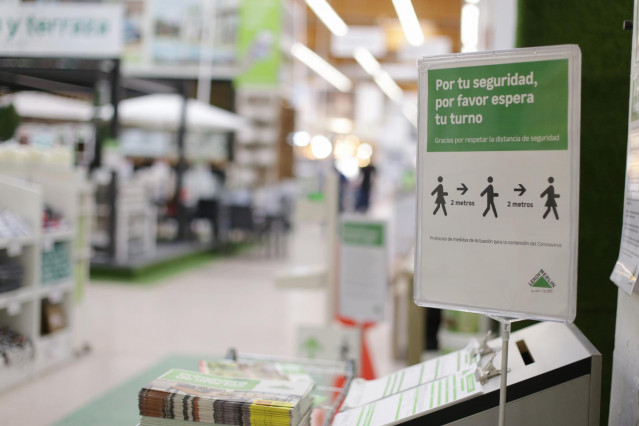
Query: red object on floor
x=366, y=369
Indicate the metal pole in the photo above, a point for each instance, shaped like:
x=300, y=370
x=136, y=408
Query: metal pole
x=205, y=67
x=112, y=199
x=505, y=337
x=181, y=166
x=115, y=98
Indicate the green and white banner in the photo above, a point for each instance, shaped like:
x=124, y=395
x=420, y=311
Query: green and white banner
x=363, y=271
x=498, y=182
x=259, y=52
x=507, y=107
x=62, y=30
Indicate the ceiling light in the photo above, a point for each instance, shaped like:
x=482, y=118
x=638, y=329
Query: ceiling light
x=345, y=147
x=410, y=112
x=321, y=67
x=366, y=59
x=340, y=125
x=321, y=147
x=364, y=151
x=410, y=24
x=349, y=167
x=381, y=77
x=328, y=16
x=388, y=86
x=470, y=27
x=301, y=138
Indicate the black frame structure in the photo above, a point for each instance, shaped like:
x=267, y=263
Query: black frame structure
x=68, y=76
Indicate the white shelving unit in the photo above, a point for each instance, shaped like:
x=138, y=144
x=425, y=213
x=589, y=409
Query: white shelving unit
x=18, y=308
x=22, y=309
x=136, y=219
x=257, y=144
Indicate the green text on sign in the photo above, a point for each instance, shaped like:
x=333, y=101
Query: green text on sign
x=508, y=107
x=363, y=234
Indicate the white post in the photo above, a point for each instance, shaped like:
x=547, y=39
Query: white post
x=205, y=68
x=505, y=337
x=331, y=197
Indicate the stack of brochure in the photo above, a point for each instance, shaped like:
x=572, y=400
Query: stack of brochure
x=255, y=369
x=181, y=397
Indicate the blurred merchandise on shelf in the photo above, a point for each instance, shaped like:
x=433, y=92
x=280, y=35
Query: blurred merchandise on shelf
x=129, y=202
x=53, y=317
x=11, y=225
x=16, y=350
x=11, y=275
x=43, y=308
x=52, y=219
x=53, y=130
x=56, y=263
x=258, y=160
x=462, y=322
x=458, y=327
x=14, y=154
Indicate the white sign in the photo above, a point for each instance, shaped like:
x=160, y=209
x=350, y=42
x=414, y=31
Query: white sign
x=627, y=266
x=371, y=38
x=363, y=271
x=432, y=46
x=62, y=30
x=498, y=183
x=626, y=269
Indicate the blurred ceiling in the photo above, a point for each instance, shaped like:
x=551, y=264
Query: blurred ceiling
x=437, y=18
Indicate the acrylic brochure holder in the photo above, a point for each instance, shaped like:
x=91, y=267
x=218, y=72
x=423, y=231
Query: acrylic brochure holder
x=498, y=186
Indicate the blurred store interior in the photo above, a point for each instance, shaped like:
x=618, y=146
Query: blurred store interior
x=175, y=175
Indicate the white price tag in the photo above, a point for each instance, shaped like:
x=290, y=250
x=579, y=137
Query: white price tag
x=14, y=249
x=47, y=244
x=55, y=295
x=14, y=308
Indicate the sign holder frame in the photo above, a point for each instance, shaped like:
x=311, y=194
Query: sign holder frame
x=506, y=318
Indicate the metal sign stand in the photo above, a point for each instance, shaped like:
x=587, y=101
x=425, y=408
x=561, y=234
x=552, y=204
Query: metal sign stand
x=505, y=338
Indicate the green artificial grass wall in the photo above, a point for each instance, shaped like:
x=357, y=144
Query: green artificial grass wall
x=596, y=26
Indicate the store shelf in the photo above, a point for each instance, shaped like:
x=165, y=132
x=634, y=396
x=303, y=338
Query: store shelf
x=10, y=298
x=16, y=243
x=54, y=349
x=26, y=194
x=55, y=291
x=57, y=235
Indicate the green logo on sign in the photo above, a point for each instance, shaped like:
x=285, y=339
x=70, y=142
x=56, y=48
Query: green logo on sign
x=541, y=282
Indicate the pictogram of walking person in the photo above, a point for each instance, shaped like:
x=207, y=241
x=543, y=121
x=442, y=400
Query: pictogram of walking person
x=490, y=194
x=440, y=200
x=551, y=203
